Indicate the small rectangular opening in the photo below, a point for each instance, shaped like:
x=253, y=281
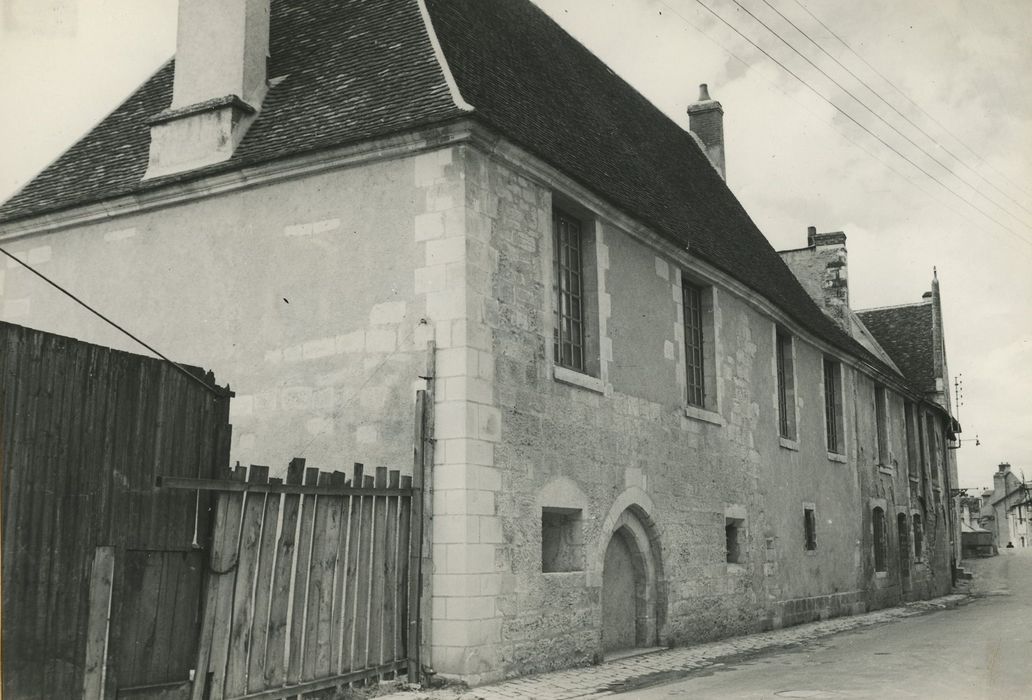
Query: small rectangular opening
x=732, y=539
x=810, y=529
x=562, y=543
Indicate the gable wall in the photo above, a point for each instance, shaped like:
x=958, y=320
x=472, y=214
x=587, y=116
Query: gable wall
x=305, y=296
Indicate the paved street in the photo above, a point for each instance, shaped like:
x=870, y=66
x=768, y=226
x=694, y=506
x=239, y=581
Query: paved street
x=982, y=649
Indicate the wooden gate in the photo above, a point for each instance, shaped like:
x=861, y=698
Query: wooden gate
x=313, y=582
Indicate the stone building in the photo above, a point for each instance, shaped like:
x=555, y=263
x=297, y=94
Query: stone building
x=1006, y=511
x=648, y=430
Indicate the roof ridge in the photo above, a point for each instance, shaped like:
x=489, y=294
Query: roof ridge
x=893, y=306
x=442, y=60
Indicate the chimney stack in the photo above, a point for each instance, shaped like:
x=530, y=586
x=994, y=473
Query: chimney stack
x=219, y=84
x=706, y=121
x=822, y=270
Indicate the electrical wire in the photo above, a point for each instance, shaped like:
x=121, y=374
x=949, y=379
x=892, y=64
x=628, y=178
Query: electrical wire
x=893, y=107
x=218, y=391
x=906, y=178
x=893, y=85
x=879, y=117
x=851, y=118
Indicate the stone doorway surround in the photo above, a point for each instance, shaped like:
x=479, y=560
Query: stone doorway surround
x=638, y=545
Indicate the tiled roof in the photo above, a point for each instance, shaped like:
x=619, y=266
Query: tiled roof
x=353, y=70
x=906, y=333
x=356, y=70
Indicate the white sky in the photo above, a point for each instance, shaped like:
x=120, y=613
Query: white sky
x=64, y=64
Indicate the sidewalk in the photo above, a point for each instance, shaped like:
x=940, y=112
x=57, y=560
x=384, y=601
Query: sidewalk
x=626, y=674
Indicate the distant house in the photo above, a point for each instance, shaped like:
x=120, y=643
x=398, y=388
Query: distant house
x=647, y=431
x=1008, y=509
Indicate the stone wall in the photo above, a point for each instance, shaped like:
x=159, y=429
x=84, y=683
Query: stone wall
x=620, y=445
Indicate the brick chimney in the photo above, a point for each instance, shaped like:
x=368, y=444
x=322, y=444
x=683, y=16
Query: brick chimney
x=706, y=121
x=219, y=84
x=822, y=270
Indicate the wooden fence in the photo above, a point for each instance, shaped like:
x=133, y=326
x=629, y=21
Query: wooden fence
x=313, y=583
x=102, y=572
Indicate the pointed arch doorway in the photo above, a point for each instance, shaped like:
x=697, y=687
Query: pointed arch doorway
x=629, y=588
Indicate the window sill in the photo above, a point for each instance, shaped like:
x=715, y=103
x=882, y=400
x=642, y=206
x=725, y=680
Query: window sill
x=810, y=552
x=788, y=443
x=734, y=569
x=696, y=413
x=888, y=471
x=915, y=479
x=881, y=574
x=578, y=379
x=836, y=457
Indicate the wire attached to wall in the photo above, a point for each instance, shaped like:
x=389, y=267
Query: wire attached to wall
x=217, y=391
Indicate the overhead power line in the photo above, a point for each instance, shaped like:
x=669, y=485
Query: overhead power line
x=893, y=107
x=877, y=116
x=851, y=118
x=893, y=85
x=906, y=178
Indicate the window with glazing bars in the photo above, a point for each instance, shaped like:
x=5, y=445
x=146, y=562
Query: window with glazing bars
x=693, y=344
x=569, y=292
x=783, y=351
x=831, y=404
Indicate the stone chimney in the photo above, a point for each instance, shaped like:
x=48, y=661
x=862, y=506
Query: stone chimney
x=219, y=84
x=821, y=268
x=706, y=121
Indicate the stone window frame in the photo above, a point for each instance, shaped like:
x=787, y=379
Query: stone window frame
x=833, y=394
x=736, y=515
x=786, y=388
x=709, y=412
x=882, y=429
x=810, y=529
x=917, y=539
x=879, y=546
x=594, y=261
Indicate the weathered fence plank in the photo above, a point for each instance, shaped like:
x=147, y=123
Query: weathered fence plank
x=101, y=580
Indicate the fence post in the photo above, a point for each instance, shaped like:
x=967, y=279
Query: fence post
x=421, y=507
x=99, y=622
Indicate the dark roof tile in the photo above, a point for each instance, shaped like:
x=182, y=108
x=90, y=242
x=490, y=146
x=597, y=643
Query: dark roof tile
x=906, y=333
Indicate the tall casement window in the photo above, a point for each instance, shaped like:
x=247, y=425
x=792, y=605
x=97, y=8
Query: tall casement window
x=833, y=423
x=881, y=419
x=934, y=447
x=786, y=385
x=569, y=292
x=913, y=453
x=903, y=533
x=880, y=543
x=693, y=344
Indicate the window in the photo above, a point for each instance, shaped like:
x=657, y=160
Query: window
x=833, y=406
x=786, y=385
x=809, y=529
x=881, y=426
x=878, y=518
x=904, y=545
x=918, y=537
x=693, y=344
x=913, y=454
x=934, y=447
x=569, y=292
x=732, y=543
x=562, y=545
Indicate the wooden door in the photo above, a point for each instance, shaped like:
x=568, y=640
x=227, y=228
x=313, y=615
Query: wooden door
x=158, y=621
